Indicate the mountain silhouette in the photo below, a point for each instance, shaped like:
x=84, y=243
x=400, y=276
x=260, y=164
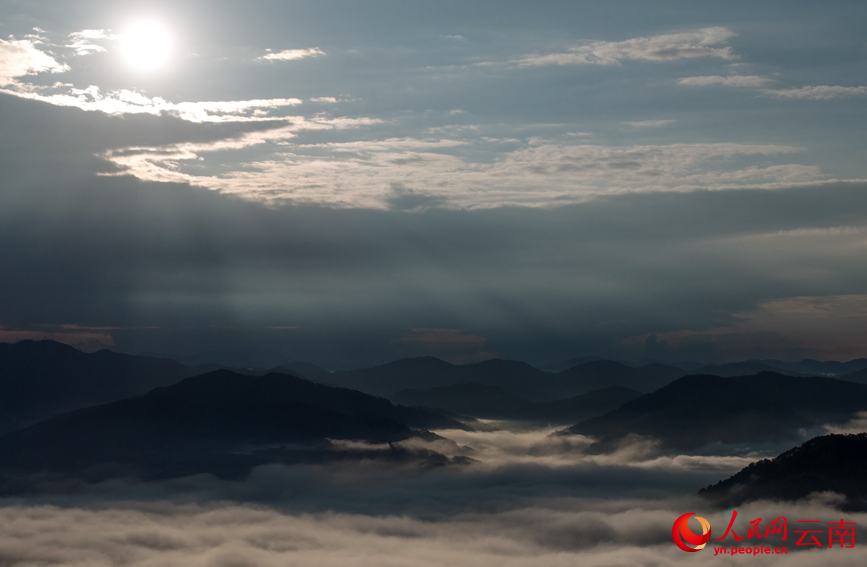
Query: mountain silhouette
x=829, y=463
x=304, y=370
x=482, y=401
x=604, y=373
x=818, y=367
x=203, y=424
x=42, y=378
x=578, y=407
x=859, y=377
x=516, y=377
x=743, y=369
x=475, y=400
x=698, y=410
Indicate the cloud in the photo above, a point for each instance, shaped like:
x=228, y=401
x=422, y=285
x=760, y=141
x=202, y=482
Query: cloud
x=130, y=102
x=19, y=58
x=858, y=424
x=538, y=284
x=293, y=54
x=83, y=41
x=819, y=92
x=729, y=81
x=824, y=327
x=650, y=123
x=328, y=99
x=589, y=532
x=510, y=508
x=667, y=47
x=364, y=174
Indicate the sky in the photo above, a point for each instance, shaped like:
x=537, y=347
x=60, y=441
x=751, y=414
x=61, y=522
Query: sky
x=353, y=182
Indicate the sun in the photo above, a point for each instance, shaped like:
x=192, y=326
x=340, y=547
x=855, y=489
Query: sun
x=146, y=45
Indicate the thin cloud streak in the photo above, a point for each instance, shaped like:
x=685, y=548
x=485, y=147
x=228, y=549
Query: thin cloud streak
x=125, y=101
x=729, y=81
x=667, y=47
x=293, y=54
x=83, y=41
x=819, y=92
x=650, y=123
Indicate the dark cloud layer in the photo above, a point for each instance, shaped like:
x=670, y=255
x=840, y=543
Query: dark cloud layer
x=346, y=286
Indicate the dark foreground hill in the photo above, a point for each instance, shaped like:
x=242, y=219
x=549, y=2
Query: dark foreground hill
x=42, y=378
x=222, y=422
x=481, y=401
x=836, y=463
x=518, y=378
x=700, y=410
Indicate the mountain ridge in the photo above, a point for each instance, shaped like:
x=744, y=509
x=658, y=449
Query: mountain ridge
x=698, y=410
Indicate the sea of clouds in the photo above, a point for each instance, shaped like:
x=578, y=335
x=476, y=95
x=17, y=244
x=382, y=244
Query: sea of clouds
x=527, y=498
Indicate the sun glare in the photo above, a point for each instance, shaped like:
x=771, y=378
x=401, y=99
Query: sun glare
x=146, y=45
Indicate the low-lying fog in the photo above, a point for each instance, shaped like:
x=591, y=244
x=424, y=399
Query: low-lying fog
x=526, y=498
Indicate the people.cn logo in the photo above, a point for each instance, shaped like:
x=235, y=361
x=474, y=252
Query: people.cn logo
x=684, y=537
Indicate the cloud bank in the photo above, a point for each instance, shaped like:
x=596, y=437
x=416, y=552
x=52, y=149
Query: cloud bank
x=372, y=174
x=513, y=508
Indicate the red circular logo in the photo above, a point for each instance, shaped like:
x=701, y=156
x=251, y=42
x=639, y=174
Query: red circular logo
x=684, y=537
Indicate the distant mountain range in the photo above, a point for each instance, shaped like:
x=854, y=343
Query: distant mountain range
x=39, y=379
x=699, y=410
x=482, y=401
x=221, y=422
x=42, y=378
x=518, y=378
x=834, y=463
x=536, y=385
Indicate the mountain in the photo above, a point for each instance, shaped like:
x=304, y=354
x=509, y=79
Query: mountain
x=482, y=401
x=251, y=358
x=429, y=372
x=476, y=400
x=859, y=377
x=217, y=422
x=582, y=406
x=604, y=373
x=742, y=369
x=820, y=368
x=519, y=378
x=829, y=463
x=566, y=365
x=304, y=370
x=42, y=378
x=699, y=410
